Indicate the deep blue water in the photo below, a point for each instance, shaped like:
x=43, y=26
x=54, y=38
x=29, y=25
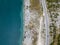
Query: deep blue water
x=11, y=22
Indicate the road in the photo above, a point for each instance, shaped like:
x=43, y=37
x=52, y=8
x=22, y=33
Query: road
x=46, y=20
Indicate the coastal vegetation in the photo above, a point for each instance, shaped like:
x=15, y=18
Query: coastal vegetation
x=53, y=6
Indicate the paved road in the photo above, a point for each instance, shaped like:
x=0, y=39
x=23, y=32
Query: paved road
x=46, y=20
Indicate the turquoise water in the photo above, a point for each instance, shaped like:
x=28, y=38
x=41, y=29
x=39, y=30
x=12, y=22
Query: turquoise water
x=11, y=22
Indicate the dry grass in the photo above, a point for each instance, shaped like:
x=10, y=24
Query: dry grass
x=36, y=6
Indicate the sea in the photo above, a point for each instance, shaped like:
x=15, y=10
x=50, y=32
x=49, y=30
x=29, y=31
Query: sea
x=11, y=22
